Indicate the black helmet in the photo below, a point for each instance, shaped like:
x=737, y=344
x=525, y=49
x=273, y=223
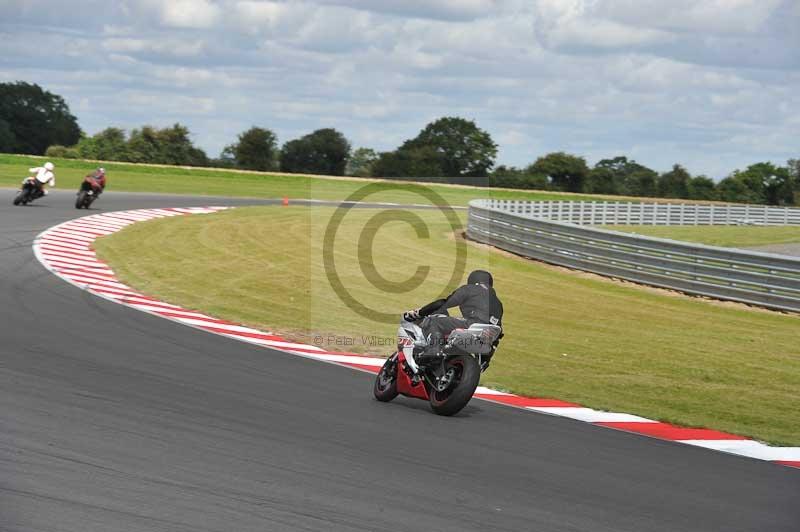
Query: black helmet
x=480, y=276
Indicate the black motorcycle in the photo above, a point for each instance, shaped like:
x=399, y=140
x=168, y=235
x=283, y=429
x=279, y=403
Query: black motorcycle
x=29, y=192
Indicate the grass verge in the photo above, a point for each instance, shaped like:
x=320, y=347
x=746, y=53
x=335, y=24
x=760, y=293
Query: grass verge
x=719, y=235
x=128, y=177
x=578, y=338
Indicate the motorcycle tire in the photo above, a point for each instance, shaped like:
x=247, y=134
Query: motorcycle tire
x=80, y=202
x=18, y=197
x=458, y=394
x=385, y=387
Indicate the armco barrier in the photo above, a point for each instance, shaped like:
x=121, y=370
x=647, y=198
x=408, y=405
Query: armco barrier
x=762, y=279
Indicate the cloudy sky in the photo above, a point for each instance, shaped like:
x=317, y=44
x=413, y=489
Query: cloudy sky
x=712, y=84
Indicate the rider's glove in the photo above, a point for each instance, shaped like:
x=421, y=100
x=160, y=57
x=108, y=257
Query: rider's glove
x=411, y=315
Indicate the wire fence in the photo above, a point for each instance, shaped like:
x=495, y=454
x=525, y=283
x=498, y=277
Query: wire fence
x=755, y=278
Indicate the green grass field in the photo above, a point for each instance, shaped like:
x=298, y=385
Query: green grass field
x=198, y=181
x=725, y=236
x=215, y=182
x=571, y=336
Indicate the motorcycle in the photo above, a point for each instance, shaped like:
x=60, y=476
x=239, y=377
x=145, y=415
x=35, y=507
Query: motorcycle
x=87, y=193
x=28, y=192
x=447, y=380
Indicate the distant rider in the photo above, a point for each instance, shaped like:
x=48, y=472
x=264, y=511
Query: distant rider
x=43, y=175
x=98, y=180
x=477, y=301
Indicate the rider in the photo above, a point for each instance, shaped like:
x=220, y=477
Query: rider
x=98, y=178
x=43, y=175
x=477, y=301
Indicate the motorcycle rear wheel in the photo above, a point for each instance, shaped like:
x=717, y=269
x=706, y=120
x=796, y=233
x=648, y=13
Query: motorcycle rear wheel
x=385, y=387
x=466, y=376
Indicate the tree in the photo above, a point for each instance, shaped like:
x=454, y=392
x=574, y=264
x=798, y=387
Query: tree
x=227, y=158
x=794, y=173
x=361, y=162
x=325, y=151
x=601, y=181
x=465, y=149
x=794, y=168
x=512, y=177
x=642, y=183
x=7, y=137
x=759, y=183
x=630, y=178
x=734, y=189
x=566, y=172
x=702, y=188
x=175, y=147
x=675, y=183
x=774, y=182
x=63, y=152
x=777, y=182
x=108, y=145
x=256, y=149
x=170, y=145
x=143, y=146
x=31, y=119
x=423, y=161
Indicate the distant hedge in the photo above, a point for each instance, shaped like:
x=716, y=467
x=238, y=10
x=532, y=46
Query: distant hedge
x=62, y=152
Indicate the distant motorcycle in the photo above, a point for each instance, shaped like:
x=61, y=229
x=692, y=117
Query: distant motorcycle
x=448, y=380
x=89, y=190
x=29, y=192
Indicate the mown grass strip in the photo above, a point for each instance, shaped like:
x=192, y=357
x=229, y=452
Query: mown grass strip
x=603, y=344
x=127, y=177
x=719, y=235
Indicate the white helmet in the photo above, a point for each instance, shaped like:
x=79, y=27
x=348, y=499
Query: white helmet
x=49, y=166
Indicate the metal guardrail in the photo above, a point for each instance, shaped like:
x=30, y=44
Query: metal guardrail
x=755, y=278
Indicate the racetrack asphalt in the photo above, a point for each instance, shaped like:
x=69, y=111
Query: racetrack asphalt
x=113, y=419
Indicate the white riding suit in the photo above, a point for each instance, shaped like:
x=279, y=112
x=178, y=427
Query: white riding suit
x=43, y=177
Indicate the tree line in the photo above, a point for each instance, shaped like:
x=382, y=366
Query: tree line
x=450, y=150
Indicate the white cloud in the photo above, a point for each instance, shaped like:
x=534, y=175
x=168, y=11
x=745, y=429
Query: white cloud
x=255, y=15
x=432, y=9
x=572, y=29
x=711, y=83
x=169, y=105
x=706, y=16
x=189, y=13
x=167, y=46
x=412, y=55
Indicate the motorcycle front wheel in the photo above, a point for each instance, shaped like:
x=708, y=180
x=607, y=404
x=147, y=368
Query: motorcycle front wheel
x=18, y=197
x=385, y=387
x=464, y=374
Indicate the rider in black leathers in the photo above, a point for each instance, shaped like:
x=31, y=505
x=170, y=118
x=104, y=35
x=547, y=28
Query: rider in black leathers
x=477, y=301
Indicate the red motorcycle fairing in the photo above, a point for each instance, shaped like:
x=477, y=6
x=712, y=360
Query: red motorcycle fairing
x=92, y=183
x=404, y=384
